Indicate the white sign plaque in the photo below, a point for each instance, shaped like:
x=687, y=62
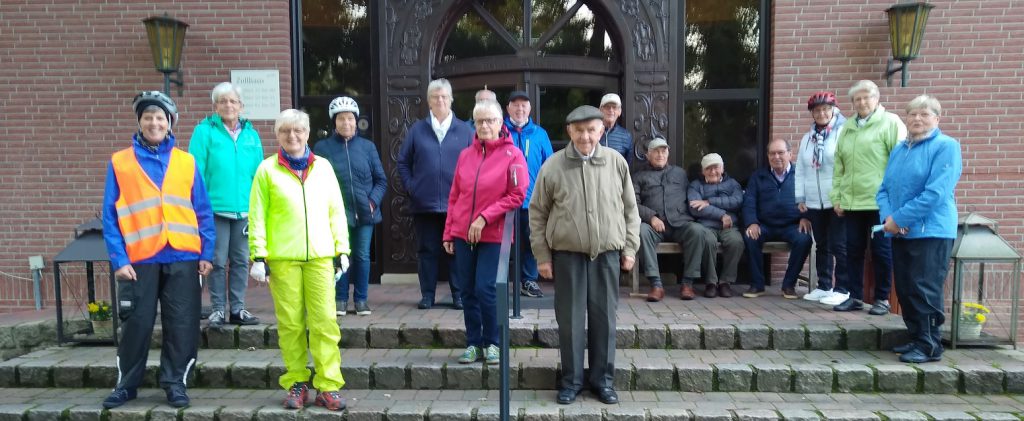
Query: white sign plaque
x=261, y=93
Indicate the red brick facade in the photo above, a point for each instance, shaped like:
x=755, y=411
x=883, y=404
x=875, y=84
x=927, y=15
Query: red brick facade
x=70, y=69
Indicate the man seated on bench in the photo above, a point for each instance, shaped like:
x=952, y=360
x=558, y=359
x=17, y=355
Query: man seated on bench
x=715, y=200
x=770, y=214
x=661, y=199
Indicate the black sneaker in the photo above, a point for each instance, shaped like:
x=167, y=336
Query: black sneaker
x=880, y=308
x=457, y=304
x=216, y=319
x=362, y=308
x=244, y=318
x=119, y=397
x=531, y=289
x=177, y=397
x=425, y=304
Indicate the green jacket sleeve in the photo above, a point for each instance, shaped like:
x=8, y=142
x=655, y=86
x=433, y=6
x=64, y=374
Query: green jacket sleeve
x=258, y=214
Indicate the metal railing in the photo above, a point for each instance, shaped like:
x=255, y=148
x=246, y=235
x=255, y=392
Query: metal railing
x=511, y=220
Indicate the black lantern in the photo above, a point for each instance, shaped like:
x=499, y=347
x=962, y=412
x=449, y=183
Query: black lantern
x=906, y=30
x=166, y=38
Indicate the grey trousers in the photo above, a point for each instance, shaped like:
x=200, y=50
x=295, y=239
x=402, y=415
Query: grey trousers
x=232, y=246
x=586, y=297
x=694, y=249
x=732, y=249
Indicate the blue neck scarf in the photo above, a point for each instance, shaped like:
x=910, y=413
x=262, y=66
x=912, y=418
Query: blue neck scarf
x=297, y=163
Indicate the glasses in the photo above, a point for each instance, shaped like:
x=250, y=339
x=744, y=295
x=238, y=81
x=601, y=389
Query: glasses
x=231, y=101
x=487, y=121
x=822, y=110
x=439, y=97
x=920, y=114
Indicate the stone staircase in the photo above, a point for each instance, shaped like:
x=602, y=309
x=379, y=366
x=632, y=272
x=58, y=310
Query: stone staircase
x=675, y=361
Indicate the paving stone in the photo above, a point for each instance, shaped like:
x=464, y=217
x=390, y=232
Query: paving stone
x=625, y=413
x=362, y=412
x=418, y=336
x=9, y=373
x=131, y=412
x=250, y=373
x=891, y=335
x=151, y=376
x=220, y=338
x=157, y=339
x=981, y=379
x=384, y=336
x=90, y=412
x=754, y=336
x=939, y=379
x=734, y=377
x=464, y=376
x=459, y=413
x=861, y=337
x=773, y=377
x=492, y=374
x=278, y=413
x=201, y=412
x=406, y=413
x=625, y=336
x=651, y=336
x=896, y=378
x=574, y=413
x=33, y=334
x=389, y=375
x=35, y=373
x=951, y=416
x=352, y=337
x=429, y=375
x=521, y=335
x=47, y=412
x=7, y=337
x=1014, y=378
x=320, y=413
x=684, y=336
x=996, y=416
x=708, y=414
x=13, y=412
x=669, y=414
x=164, y=413
x=211, y=373
x=357, y=376
x=719, y=336
x=854, y=378
x=276, y=370
x=824, y=336
x=849, y=415
x=537, y=375
x=252, y=336
x=654, y=374
x=812, y=378
x=623, y=377
x=756, y=415
x=451, y=337
x=799, y=415
x=237, y=412
x=273, y=339
x=904, y=416
x=695, y=377
x=102, y=375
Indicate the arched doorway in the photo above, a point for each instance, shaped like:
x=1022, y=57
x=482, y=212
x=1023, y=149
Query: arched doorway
x=564, y=53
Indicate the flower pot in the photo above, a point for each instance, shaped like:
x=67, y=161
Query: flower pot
x=103, y=328
x=969, y=330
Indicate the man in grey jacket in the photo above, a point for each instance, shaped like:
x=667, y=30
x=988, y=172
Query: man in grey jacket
x=661, y=200
x=716, y=200
x=584, y=219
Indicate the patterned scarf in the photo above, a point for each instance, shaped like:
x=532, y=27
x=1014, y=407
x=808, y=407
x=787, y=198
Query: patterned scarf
x=818, y=139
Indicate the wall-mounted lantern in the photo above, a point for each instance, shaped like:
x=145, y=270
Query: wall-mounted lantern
x=906, y=30
x=166, y=38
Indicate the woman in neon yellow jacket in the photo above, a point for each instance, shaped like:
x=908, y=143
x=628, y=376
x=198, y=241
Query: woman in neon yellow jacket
x=297, y=226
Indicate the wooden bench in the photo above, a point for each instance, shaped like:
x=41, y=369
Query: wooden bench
x=769, y=248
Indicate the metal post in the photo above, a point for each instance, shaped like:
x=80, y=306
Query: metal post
x=517, y=270
x=502, y=285
x=37, y=278
x=1014, y=303
x=57, y=301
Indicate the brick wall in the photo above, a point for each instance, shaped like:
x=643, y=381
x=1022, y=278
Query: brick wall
x=67, y=77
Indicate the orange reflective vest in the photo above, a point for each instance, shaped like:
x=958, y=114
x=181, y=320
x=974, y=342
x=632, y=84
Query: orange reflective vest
x=150, y=217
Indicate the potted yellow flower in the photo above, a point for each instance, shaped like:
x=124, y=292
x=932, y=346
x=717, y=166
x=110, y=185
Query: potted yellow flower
x=100, y=314
x=972, y=317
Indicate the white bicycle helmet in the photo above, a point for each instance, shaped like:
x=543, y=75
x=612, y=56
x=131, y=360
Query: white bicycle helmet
x=147, y=98
x=343, y=104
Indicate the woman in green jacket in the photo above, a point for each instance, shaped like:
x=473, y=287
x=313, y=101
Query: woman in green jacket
x=227, y=150
x=860, y=160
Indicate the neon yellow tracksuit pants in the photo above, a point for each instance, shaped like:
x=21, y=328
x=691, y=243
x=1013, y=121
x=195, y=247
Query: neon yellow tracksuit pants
x=303, y=295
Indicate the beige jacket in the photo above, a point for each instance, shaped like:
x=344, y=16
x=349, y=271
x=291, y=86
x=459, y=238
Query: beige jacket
x=584, y=206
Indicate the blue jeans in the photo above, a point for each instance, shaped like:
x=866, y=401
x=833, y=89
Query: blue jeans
x=359, y=272
x=528, y=263
x=799, y=248
x=477, y=268
x=830, y=241
x=858, y=230
x=232, y=246
x=431, y=254
x=920, y=278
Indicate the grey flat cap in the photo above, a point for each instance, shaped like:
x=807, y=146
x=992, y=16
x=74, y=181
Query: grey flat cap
x=584, y=113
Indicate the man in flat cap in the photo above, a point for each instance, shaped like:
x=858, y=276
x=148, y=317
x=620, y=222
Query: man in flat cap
x=615, y=136
x=584, y=218
x=715, y=201
x=661, y=200
x=535, y=144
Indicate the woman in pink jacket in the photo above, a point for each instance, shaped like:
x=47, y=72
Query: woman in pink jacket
x=490, y=179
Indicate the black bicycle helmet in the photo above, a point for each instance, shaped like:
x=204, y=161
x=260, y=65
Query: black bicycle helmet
x=147, y=98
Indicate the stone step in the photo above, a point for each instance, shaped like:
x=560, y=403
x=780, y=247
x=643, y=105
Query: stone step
x=880, y=335
x=972, y=372
x=482, y=405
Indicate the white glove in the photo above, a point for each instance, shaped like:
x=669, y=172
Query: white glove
x=342, y=267
x=258, y=272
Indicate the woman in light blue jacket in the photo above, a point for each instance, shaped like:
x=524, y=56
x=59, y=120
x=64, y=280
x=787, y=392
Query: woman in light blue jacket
x=917, y=208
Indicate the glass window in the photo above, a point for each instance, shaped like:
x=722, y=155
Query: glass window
x=465, y=100
x=722, y=44
x=473, y=37
x=583, y=35
x=336, y=47
x=728, y=128
x=556, y=102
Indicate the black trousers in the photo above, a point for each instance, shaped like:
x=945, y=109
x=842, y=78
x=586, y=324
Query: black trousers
x=586, y=296
x=432, y=257
x=176, y=287
x=920, y=277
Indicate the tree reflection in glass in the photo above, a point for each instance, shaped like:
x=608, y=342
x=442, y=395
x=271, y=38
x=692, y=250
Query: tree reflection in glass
x=728, y=128
x=336, y=47
x=722, y=44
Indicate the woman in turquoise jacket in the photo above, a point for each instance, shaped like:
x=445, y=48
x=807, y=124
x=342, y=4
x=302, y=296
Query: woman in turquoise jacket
x=917, y=208
x=227, y=150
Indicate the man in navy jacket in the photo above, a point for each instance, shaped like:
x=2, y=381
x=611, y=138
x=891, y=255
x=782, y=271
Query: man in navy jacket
x=770, y=214
x=426, y=164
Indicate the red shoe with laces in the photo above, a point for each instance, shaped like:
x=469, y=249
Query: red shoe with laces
x=331, y=400
x=296, y=397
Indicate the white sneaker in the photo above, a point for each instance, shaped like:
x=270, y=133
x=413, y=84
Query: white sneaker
x=835, y=298
x=817, y=294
